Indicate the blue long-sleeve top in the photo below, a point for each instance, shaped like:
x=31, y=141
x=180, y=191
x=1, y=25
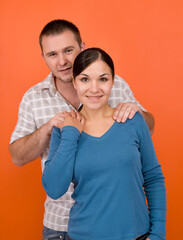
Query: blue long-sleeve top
x=112, y=174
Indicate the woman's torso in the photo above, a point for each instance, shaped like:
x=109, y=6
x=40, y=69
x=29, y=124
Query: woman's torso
x=109, y=196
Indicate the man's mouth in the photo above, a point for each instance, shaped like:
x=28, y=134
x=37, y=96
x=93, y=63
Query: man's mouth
x=65, y=69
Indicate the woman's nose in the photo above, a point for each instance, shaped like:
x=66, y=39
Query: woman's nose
x=94, y=86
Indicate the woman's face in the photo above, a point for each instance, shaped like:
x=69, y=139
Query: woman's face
x=94, y=85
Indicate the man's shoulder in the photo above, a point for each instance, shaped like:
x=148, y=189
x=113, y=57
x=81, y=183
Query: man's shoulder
x=37, y=88
x=119, y=82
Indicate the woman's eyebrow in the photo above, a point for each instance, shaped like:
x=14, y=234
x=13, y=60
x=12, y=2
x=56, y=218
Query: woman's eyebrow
x=84, y=74
x=104, y=74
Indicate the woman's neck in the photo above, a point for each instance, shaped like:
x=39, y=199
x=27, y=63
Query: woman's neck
x=93, y=115
x=99, y=121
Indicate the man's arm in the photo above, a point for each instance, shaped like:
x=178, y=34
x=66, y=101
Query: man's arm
x=149, y=120
x=30, y=147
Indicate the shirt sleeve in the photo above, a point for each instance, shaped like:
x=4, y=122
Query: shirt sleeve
x=25, y=124
x=154, y=185
x=121, y=93
x=58, y=170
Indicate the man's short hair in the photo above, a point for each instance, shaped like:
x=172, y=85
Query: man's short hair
x=58, y=26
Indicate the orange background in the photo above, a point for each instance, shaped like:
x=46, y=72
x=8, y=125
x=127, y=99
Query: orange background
x=145, y=40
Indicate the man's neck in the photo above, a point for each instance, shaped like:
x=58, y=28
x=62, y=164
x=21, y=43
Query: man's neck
x=68, y=92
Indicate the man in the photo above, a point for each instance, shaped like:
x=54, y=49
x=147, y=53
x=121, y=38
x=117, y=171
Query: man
x=43, y=105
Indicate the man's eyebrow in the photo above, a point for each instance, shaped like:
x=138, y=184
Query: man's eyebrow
x=54, y=51
x=51, y=52
x=68, y=47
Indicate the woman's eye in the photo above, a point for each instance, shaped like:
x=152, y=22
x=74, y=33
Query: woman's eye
x=103, y=79
x=84, y=79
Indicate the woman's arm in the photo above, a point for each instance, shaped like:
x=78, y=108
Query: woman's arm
x=58, y=170
x=154, y=185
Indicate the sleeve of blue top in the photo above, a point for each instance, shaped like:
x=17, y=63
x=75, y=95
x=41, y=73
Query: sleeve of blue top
x=58, y=169
x=154, y=185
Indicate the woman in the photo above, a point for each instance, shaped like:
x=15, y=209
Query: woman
x=113, y=165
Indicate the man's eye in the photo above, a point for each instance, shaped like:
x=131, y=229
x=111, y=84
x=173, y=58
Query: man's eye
x=84, y=79
x=68, y=50
x=52, y=55
x=103, y=79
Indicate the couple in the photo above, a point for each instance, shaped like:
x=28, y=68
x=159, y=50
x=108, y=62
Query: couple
x=112, y=165
x=42, y=108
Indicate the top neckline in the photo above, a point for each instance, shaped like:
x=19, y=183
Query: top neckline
x=103, y=135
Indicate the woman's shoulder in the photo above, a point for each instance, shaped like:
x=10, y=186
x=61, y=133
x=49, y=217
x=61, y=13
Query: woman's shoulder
x=137, y=119
x=137, y=122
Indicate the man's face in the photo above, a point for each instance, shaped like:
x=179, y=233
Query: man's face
x=59, y=53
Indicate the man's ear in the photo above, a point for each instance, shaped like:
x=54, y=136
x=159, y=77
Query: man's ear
x=83, y=46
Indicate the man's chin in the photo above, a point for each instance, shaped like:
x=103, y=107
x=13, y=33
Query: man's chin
x=64, y=80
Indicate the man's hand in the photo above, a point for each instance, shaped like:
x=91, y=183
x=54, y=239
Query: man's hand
x=74, y=119
x=56, y=121
x=126, y=110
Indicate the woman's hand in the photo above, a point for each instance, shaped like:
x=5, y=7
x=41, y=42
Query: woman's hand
x=56, y=121
x=74, y=119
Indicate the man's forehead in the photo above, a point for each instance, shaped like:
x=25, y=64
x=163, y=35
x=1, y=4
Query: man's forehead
x=62, y=37
x=61, y=40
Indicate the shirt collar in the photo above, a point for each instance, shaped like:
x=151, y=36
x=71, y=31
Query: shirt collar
x=49, y=85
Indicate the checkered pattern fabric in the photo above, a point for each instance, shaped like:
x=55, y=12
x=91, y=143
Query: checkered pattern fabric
x=39, y=104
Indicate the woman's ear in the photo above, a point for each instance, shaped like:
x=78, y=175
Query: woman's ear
x=113, y=81
x=73, y=82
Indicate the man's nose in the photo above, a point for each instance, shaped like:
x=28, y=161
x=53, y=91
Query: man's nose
x=62, y=59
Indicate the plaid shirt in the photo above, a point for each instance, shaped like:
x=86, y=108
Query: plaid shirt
x=39, y=104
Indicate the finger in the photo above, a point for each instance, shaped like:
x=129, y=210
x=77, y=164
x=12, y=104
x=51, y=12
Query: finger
x=132, y=113
x=78, y=116
x=117, y=110
x=126, y=114
x=139, y=109
x=82, y=120
x=60, y=125
x=60, y=117
x=73, y=113
x=121, y=113
x=66, y=114
x=60, y=114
